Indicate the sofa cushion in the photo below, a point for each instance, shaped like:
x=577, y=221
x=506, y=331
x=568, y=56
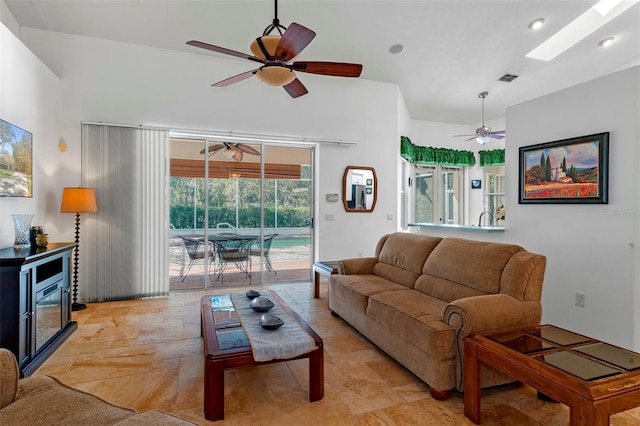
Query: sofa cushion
x=9, y=380
x=415, y=317
x=152, y=418
x=523, y=276
x=51, y=402
x=400, y=265
x=356, y=289
x=462, y=268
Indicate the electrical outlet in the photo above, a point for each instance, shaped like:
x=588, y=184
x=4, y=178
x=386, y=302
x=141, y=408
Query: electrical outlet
x=580, y=298
x=329, y=217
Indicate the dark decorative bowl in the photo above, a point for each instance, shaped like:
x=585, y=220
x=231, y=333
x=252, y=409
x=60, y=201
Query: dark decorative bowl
x=270, y=322
x=252, y=294
x=261, y=304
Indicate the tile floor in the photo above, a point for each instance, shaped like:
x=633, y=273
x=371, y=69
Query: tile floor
x=147, y=354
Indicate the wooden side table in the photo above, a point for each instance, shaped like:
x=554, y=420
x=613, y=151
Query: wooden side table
x=594, y=378
x=326, y=268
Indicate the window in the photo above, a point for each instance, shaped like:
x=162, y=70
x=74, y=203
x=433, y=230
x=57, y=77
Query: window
x=494, y=192
x=439, y=194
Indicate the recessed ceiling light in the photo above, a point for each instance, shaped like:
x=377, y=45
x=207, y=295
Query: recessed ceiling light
x=578, y=29
x=536, y=24
x=606, y=42
x=396, y=48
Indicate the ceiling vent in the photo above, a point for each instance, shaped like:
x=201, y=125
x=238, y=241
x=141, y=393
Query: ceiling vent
x=508, y=78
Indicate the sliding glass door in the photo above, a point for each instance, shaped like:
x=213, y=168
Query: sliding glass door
x=240, y=214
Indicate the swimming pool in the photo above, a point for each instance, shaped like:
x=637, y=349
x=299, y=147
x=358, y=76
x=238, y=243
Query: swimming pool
x=285, y=242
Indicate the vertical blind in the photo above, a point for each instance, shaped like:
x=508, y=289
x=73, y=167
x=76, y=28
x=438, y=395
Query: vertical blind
x=124, y=249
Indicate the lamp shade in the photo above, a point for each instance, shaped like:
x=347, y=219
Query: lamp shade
x=78, y=200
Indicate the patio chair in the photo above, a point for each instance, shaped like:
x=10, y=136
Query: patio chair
x=266, y=247
x=234, y=251
x=195, y=250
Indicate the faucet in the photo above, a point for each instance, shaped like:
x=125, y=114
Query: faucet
x=482, y=214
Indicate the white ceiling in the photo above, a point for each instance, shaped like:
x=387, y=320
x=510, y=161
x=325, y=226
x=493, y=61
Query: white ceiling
x=453, y=49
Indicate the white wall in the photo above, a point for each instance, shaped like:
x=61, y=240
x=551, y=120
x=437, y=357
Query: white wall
x=589, y=248
x=130, y=84
x=30, y=97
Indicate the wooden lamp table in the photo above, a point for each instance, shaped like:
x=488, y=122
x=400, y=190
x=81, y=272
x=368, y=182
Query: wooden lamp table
x=226, y=347
x=595, y=379
x=326, y=268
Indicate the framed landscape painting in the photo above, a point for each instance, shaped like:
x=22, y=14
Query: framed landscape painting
x=566, y=171
x=16, y=161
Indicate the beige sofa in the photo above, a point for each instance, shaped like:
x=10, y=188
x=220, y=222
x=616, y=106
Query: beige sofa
x=44, y=401
x=420, y=296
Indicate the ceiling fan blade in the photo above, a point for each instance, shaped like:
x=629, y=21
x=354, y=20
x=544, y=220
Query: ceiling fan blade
x=224, y=50
x=459, y=136
x=493, y=135
x=296, y=89
x=235, y=79
x=339, y=69
x=213, y=148
x=294, y=40
x=247, y=149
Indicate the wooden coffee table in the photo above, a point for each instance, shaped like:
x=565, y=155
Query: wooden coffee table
x=226, y=347
x=595, y=379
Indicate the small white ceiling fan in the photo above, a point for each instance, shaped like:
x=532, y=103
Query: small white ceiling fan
x=484, y=133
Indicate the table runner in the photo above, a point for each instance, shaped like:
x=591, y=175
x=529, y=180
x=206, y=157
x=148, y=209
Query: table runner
x=287, y=342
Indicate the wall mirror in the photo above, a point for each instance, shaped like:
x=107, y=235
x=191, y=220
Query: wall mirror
x=359, y=189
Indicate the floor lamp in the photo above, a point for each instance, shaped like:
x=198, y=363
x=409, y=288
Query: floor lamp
x=77, y=200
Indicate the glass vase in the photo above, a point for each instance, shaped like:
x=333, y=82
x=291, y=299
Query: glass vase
x=22, y=225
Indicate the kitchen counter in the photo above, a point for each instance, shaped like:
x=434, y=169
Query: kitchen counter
x=469, y=228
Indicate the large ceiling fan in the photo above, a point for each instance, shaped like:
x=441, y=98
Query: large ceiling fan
x=232, y=150
x=275, y=53
x=484, y=133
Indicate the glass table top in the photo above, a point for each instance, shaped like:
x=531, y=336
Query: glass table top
x=522, y=342
x=558, y=335
x=573, y=353
x=612, y=354
x=231, y=338
x=584, y=368
x=224, y=314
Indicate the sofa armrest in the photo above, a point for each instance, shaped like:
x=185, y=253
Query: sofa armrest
x=486, y=313
x=491, y=312
x=357, y=266
x=9, y=375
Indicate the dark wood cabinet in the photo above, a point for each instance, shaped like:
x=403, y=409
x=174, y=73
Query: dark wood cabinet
x=35, y=302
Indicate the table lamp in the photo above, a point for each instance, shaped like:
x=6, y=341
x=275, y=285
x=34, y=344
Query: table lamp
x=77, y=200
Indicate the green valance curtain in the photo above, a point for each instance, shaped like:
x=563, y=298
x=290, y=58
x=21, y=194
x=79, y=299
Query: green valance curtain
x=495, y=157
x=430, y=155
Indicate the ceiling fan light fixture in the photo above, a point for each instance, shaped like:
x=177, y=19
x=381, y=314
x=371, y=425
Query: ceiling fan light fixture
x=276, y=75
x=270, y=43
x=483, y=140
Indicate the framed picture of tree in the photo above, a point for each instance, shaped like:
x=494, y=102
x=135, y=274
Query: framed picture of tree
x=566, y=171
x=16, y=161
